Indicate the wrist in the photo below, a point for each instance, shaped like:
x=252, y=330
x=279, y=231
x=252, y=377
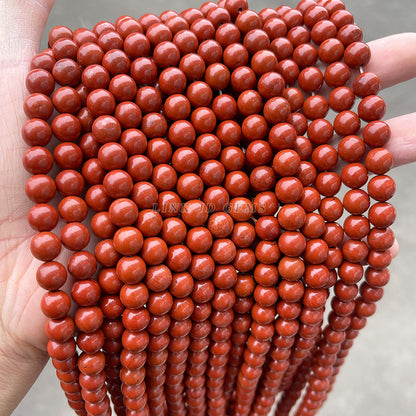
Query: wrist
x=20, y=366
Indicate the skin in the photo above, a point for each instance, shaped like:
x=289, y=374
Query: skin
x=22, y=340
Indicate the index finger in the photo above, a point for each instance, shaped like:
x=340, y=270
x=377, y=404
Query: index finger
x=393, y=58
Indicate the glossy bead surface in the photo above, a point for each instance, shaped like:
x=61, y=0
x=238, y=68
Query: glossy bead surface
x=207, y=147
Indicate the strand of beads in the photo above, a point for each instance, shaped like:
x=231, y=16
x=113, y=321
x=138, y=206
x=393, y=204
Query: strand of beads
x=112, y=331
x=292, y=394
x=308, y=336
x=178, y=352
x=135, y=339
x=213, y=181
x=201, y=270
x=243, y=309
x=265, y=296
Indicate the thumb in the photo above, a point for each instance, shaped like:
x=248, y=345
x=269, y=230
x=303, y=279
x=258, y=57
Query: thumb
x=21, y=28
x=23, y=22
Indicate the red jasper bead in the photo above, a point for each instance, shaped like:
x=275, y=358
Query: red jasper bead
x=214, y=182
x=43, y=217
x=55, y=305
x=45, y=246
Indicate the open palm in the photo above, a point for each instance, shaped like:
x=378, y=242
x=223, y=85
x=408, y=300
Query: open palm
x=21, y=321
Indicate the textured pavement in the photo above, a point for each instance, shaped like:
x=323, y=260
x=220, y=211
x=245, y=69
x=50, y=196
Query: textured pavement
x=379, y=377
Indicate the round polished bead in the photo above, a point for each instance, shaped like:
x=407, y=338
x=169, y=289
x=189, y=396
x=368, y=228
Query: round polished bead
x=204, y=120
x=282, y=136
x=276, y=110
x=366, y=84
x=143, y=71
x=43, y=60
x=123, y=212
x=310, y=79
x=307, y=173
x=55, y=305
x=66, y=127
x=51, y=276
x=288, y=190
x=169, y=204
x=154, y=251
x=136, y=45
x=298, y=35
x=243, y=78
x=139, y=167
x=337, y=74
x=351, y=148
x=149, y=99
x=354, y=175
x=166, y=54
x=190, y=186
x=67, y=72
x=346, y=123
x=382, y=215
x=331, y=50
x=101, y=102
x=210, y=51
x=243, y=234
x=118, y=184
x=270, y=85
x=202, y=266
x=305, y=55
x=323, y=30
x=357, y=54
x=88, y=319
x=291, y=268
x=379, y=161
x=194, y=213
x=310, y=199
x=324, y=157
x=268, y=228
x=212, y=172
x=315, y=107
x=220, y=224
x=199, y=240
x=289, y=70
x=36, y=132
x=128, y=241
x=381, y=188
x=37, y=160
x=38, y=106
x=82, y=264
x=292, y=243
x=371, y=108
x=40, y=188
x=45, y=246
x=331, y=208
x=40, y=81
x=116, y=62
x=259, y=153
x=186, y=41
x=109, y=40
x=89, y=54
x=227, y=34
x=320, y=131
x=95, y=77
x=291, y=217
x=75, y=236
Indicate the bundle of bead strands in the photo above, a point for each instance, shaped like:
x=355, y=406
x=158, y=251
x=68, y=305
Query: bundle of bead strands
x=195, y=147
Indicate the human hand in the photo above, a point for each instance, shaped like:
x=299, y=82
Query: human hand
x=393, y=59
x=22, y=339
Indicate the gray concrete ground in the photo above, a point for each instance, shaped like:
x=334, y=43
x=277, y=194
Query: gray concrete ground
x=379, y=377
